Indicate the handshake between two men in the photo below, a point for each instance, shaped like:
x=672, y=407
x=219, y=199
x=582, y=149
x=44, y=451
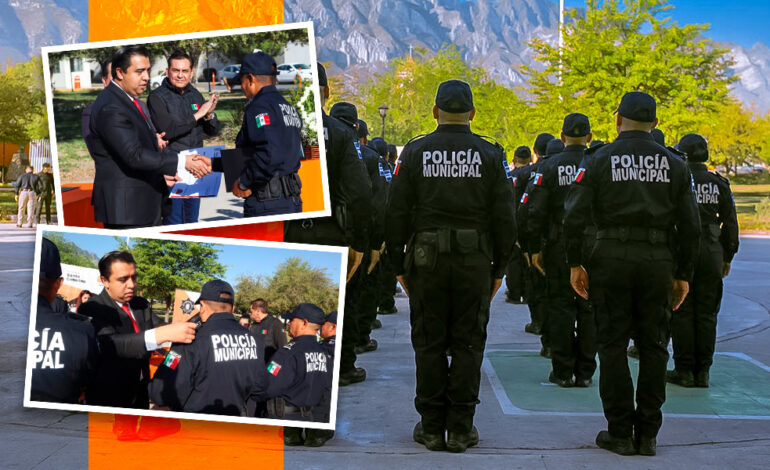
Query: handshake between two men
x=198, y=165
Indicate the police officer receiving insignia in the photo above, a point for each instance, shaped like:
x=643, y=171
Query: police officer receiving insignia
x=573, y=349
x=271, y=135
x=64, y=348
x=637, y=192
x=694, y=325
x=300, y=372
x=451, y=203
x=220, y=369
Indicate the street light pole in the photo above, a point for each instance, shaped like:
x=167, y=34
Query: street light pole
x=383, y=111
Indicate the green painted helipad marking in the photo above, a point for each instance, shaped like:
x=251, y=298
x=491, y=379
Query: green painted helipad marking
x=739, y=388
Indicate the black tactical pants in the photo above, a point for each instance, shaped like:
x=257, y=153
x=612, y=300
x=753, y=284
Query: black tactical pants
x=387, y=283
x=515, y=273
x=630, y=285
x=694, y=325
x=571, y=326
x=366, y=287
x=536, y=301
x=449, y=309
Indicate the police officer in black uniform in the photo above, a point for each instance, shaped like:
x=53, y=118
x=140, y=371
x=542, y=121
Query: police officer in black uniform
x=350, y=191
x=388, y=277
x=694, y=325
x=573, y=349
x=300, y=372
x=318, y=437
x=44, y=191
x=65, y=351
x=220, y=369
x=451, y=204
x=516, y=277
x=536, y=298
x=267, y=327
x=271, y=134
x=637, y=192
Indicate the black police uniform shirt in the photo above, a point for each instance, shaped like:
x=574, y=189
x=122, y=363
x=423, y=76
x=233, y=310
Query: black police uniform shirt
x=64, y=355
x=378, y=177
x=272, y=131
x=299, y=372
x=545, y=207
x=634, y=182
x=45, y=185
x=271, y=331
x=522, y=211
x=328, y=345
x=716, y=206
x=451, y=178
x=173, y=112
x=216, y=373
x=26, y=182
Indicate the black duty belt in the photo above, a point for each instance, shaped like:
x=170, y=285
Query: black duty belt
x=288, y=186
x=639, y=234
x=446, y=240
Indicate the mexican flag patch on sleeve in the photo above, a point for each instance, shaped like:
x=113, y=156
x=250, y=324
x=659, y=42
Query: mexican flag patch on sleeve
x=195, y=107
x=273, y=367
x=262, y=119
x=172, y=360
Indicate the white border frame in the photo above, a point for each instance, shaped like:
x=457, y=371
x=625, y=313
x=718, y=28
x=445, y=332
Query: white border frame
x=207, y=34
x=342, y=251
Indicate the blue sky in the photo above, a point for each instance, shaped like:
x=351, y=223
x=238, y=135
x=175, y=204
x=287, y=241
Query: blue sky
x=240, y=260
x=743, y=22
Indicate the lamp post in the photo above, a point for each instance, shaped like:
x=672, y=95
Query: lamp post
x=383, y=111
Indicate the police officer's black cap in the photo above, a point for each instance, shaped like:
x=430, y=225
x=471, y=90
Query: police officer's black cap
x=541, y=142
x=213, y=291
x=695, y=147
x=322, y=79
x=332, y=318
x=637, y=106
x=50, y=262
x=658, y=136
x=363, y=129
x=522, y=153
x=555, y=146
x=454, y=96
x=345, y=112
x=257, y=63
x=576, y=125
x=379, y=144
x=309, y=312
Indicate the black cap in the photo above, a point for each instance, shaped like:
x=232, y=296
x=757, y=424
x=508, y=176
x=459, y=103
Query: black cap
x=213, y=291
x=379, y=144
x=454, y=96
x=309, y=312
x=332, y=318
x=576, y=125
x=522, y=153
x=50, y=262
x=322, y=79
x=637, y=106
x=658, y=136
x=345, y=112
x=595, y=143
x=541, y=142
x=363, y=129
x=695, y=147
x=555, y=146
x=257, y=63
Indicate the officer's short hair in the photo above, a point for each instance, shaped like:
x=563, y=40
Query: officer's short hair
x=218, y=306
x=105, y=264
x=177, y=55
x=46, y=165
x=260, y=305
x=122, y=58
x=522, y=154
x=29, y=167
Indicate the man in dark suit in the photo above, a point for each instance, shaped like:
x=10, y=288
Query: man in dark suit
x=127, y=332
x=132, y=174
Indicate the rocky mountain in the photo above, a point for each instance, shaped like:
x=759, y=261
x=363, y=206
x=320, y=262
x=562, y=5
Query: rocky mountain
x=361, y=36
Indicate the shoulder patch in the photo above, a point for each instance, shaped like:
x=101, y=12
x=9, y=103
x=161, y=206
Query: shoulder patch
x=172, y=360
x=579, y=175
x=262, y=119
x=508, y=173
x=538, y=179
x=274, y=368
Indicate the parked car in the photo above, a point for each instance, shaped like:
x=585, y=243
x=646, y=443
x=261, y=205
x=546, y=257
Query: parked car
x=228, y=72
x=287, y=73
x=157, y=80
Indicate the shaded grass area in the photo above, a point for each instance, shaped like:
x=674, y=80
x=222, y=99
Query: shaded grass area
x=9, y=206
x=752, y=202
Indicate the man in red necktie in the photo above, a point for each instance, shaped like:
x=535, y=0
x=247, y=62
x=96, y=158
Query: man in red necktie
x=127, y=331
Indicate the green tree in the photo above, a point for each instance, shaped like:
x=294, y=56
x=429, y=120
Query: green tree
x=71, y=253
x=737, y=136
x=271, y=42
x=248, y=289
x=296, y=281
x=165, y=265
x=623, y=46
x=22, y=103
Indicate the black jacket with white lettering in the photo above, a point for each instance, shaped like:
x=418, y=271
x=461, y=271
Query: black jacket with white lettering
x=717, y=207
x=444, y=194
x=545, y=208
x=64, y=357
x=613, y=182
x=215, y=373
x=300, y=372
